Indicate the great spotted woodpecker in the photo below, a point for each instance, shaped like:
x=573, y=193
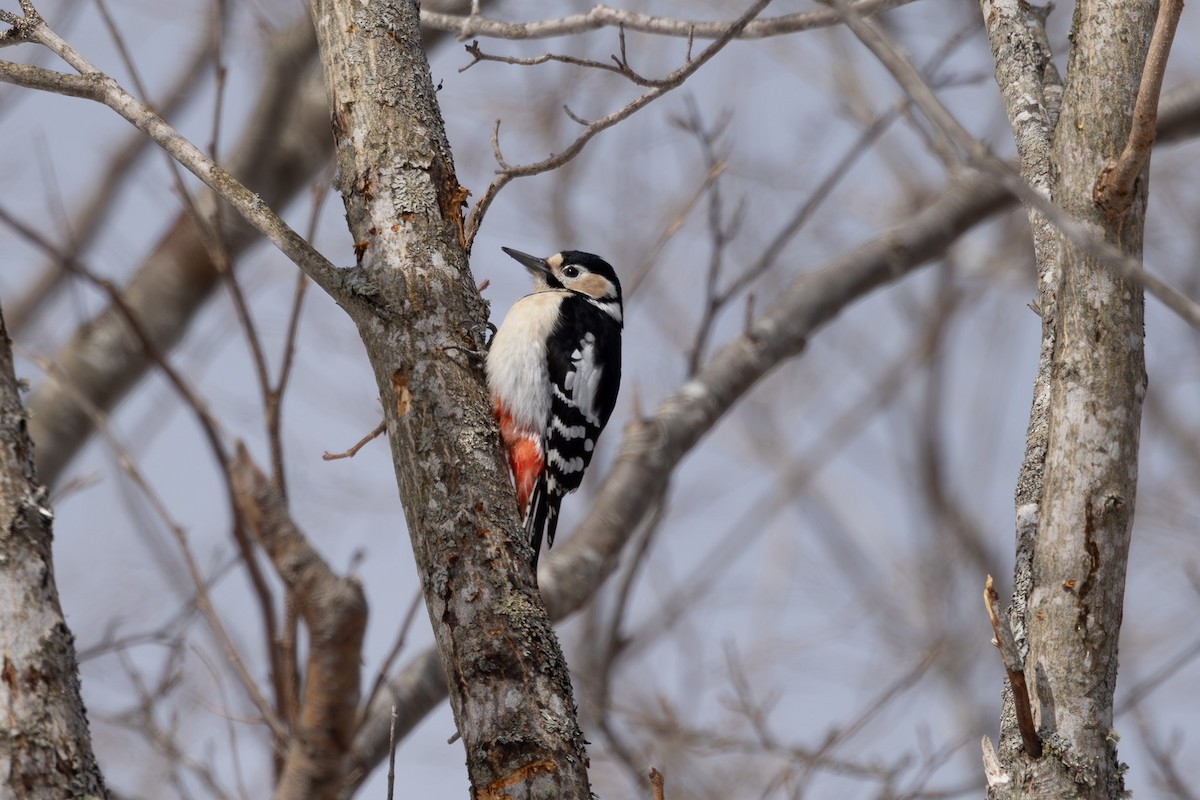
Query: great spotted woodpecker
x=554, y=369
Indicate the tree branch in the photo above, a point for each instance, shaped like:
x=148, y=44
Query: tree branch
x=335, y=613
x=674, y=80
x=46, y=748
x=1114, y=190
x=1014, y=666
x=282, y=141
x=92, y=84
x=600, y=16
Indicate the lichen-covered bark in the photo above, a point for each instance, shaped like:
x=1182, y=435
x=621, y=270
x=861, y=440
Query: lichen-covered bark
x=1032, y=92
x=45, y=747
x=508, y=684
x=1078, y=498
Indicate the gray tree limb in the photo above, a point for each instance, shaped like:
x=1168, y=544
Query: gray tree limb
x=283, y=145
x=282, y=149
x=334, y=611
x=601, y=16
x=45, y=748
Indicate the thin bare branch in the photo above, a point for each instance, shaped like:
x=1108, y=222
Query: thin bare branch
x=385, y=666
x=199, y=584
x=1010, y=657
x=335, y=614
x=600, y=16
x=94, y=85
x=656, y=784
x=96, y=204
x=380, y=429
x=672, y=81
x=1083, y=235
x=1114, y=190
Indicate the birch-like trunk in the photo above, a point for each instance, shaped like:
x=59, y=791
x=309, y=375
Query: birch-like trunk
x=1075, y=497
x=45, y=748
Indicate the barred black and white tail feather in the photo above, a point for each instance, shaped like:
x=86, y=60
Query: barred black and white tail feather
x=541, y=518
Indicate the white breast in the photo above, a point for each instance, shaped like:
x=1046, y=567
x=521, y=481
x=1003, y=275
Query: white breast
x=516, y=362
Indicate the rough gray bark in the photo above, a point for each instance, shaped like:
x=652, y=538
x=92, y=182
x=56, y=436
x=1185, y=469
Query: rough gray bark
x=508, y=683
x=45, y=747
x=1075, y=495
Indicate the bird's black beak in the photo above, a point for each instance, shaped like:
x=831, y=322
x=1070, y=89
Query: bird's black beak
x=537, y=266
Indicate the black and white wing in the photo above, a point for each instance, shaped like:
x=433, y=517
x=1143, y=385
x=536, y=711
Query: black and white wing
x=585, y=377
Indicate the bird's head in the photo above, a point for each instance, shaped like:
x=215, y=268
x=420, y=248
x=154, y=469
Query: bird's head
x=574, y=271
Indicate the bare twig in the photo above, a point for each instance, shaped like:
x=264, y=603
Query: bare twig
x=674, y=80
x=1115, y=187
x=334, y=610
x=353, y=451
x=1011, y=659
x=94, y=85
x=1179, y=786
x=619, y=66
x=208, y=424
x=1143, y=688
x=609, y=648
x=391, y=779
x=144, y=717
x=950, y=134
x=770, y=255
x=672, y=227
x=977, y=155
x=203, y=599
x=656, y=784
x=721, y=227
x=601, y=16
x=96, y=205
x=385, y=666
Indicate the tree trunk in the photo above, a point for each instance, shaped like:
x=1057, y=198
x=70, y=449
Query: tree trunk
x=1075, y=498
x=45, y=749
x=508, y=684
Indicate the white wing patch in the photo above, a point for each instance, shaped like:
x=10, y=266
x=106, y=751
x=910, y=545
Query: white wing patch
x=572, y=432
x=565, y=466
x=583, y=381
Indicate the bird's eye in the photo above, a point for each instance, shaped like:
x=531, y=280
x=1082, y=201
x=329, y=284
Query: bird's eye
x=571, y=271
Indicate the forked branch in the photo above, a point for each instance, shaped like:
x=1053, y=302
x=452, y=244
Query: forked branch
x=1115, y=187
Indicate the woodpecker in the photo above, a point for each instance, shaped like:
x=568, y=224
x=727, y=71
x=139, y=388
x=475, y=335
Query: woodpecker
x=554, y=370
